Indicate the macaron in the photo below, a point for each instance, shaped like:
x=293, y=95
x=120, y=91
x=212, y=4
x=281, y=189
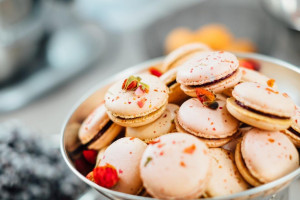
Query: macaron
x=163, y=125
x=215, y=71
x=261, y=106
x=176, y=95
x=176, y=166
x=225, y=179
x=264, y=156
x=125, y=155
x=97, y=130
x=182, y=54
x=215, y=127
x=249, y=75
x=294, y=130
x=136, y=100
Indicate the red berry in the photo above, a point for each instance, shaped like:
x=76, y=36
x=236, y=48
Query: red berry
x=90, y=156
x=106, y=176
x=155, y=71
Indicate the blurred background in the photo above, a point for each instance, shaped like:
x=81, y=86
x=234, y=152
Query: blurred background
x=53, y=51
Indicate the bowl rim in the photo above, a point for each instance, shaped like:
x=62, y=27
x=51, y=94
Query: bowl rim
x=110, y=194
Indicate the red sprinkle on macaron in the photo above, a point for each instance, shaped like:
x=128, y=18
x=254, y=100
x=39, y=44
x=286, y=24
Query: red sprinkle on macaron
x=155, y=71
x=106, y=176
x=141, y=102
x=182, y=164
x=270, y=90
x=90, y=156
x=190, y=149
x=154, y=141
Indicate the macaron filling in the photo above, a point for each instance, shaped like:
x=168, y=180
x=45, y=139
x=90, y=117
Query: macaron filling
x=169, y=85
x=259, y=112
x=294, y=131
x=100, y=133
x=215, y=81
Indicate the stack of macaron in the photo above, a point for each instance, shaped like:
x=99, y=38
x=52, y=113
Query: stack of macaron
x=179, y=137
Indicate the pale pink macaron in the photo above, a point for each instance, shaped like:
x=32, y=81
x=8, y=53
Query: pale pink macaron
x=225, y=178
x=97, y=130
x=249, y=75
x=177, y=166
x=182, y=54
x=132, y=108
x=125, y=155
x=215, y=71
x=264, y=156
x=294, y=130
x=215, y=127
x=163, y=125
x=261, y=106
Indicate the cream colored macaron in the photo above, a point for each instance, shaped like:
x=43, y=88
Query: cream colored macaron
x=131, y=107
x=215, y=71
x=163, y=125
x=215, y=127
x=294, y=130
x=97, y=130
x=176, y=95
x=182, y=54
x=261, y=106
x=264, y=156
x=125, y=155
x=176, y=166
x=225, y=178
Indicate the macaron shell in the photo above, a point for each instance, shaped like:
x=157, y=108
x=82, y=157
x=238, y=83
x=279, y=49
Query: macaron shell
x=239, y=161
x=211, y=143
x=264, y=99
x=293, y=137
x=207, y=67
x=181, y=54
x=163, y=125
x=107, y=137
x=218, y=87
x=255, y=119
x=225, y=179
x=92, y=124
x=264, y=150
x=249, y=75
x=124, y=104
x=296, y=120
x=125, y=155
x=139, y=121
x=176, y=95
x=202, y=121
x=176, y=167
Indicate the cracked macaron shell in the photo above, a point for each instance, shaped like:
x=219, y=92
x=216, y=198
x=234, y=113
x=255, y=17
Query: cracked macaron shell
x=173, y=158
x=163, y=125
x=225, y=179
x=124, y=104
x=207, y=67
x=202, y=121
x=264, y=99
x=268, y=155
x=125, y=155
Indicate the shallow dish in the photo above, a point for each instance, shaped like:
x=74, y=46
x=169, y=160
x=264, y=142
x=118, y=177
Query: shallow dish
x=287, y=78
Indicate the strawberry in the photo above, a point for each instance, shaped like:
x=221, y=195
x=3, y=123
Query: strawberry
x=250, y=64
x=90, y=156
x=106, y=176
